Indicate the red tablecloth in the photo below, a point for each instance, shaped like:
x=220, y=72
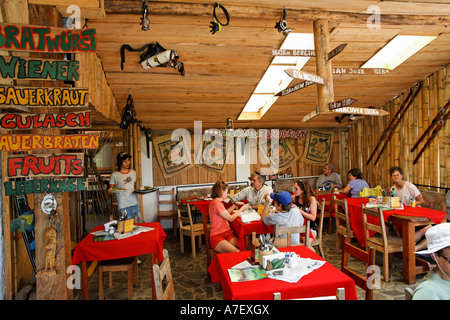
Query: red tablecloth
x=245, y=229
x=321, y=282
x=143, y=243
x=356, y=221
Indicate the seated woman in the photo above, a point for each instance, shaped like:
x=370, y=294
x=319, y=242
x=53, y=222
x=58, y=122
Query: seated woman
x=406, y=191
x=356, y=184
x=222, y=237
x=285, y=216
x=306, y=202
x=403, y=189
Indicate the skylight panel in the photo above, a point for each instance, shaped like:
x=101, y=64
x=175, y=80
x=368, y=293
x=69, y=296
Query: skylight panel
x=397, y=51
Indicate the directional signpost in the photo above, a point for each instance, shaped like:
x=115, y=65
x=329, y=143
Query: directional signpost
x=297, y=87
x=297, y=74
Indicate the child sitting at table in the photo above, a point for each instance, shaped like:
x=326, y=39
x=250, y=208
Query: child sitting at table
x=285, y=216
x=222, y=237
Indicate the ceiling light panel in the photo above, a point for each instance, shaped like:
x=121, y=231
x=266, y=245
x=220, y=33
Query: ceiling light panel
x=397, y=51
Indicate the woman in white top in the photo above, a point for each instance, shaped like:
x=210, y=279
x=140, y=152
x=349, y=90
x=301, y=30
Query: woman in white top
x=403, y=189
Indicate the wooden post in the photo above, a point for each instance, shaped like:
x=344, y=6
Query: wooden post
x=325, y=92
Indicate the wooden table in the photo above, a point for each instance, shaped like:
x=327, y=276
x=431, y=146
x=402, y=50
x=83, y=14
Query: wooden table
x=408, y=219
x=321, y=282
x=144, y=243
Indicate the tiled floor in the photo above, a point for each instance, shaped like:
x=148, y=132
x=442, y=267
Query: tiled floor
x=190, y=280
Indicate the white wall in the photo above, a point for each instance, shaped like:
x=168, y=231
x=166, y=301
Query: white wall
x=148, y=200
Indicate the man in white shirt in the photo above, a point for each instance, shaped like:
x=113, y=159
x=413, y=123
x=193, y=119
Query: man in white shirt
x=254, y=193
x=329, y=177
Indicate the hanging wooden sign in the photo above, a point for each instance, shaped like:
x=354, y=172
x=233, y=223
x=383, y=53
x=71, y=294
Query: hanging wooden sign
x=27, y=142
x=336, y=51
x=297, y=87
x=43, y=97
x=46, y=39
x=31, y=165
x=359, y=71
x=28, y=121
x=22, y=187
x=362, y=111
x=341, y=103
x=297, y=74
x=294, y=52
x=13, y=67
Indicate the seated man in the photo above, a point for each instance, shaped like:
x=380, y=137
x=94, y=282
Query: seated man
x=328, y=177
x=253, y=193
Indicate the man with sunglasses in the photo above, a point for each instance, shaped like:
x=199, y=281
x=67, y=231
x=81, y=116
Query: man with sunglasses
x=436, y=284
x=253, y=193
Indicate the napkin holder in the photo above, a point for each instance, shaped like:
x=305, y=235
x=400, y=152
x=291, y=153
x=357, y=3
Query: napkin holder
x=125, y=226
x=254, y=253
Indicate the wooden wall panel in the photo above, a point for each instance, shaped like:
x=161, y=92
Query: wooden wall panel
x=432, y=168
x=197, y=175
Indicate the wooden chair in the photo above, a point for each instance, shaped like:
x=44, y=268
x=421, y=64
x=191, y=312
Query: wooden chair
x=210, y=253
x=328, y=204
x=340, y=295
x=318, y=241
x=343, y=227
x=159, y=272
x=167, y=214
x=368, y=257
x=382, y=242
x=125, y=264
x=188, y=228
x=288, y=231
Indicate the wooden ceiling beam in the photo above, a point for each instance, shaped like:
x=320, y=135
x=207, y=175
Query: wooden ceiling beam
x=258, y=12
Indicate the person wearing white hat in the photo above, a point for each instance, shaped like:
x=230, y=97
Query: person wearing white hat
x=436, y=284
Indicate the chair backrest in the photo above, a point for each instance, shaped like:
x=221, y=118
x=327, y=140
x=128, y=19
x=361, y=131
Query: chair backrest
x=159, y=272
x=184, y=215
x=165, y=200
x=368, y=257
x=376, y=224
x=288, y=231
x=321, y=208
x=317, y=193
x=341, y=212
x=210, y=253
x=340, y=295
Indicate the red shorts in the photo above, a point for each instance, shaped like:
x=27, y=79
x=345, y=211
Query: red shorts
x=216, y=238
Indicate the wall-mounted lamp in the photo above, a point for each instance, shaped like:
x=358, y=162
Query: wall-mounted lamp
x=144, y=20
x=282, y=25
x=351, y=118
x=216, y=25
x=229, y=125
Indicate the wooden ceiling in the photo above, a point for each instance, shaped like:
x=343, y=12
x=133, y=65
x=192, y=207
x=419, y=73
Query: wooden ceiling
x=222, y=70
